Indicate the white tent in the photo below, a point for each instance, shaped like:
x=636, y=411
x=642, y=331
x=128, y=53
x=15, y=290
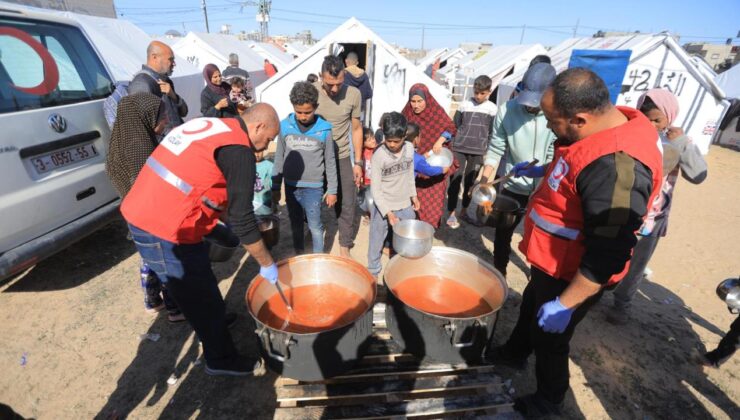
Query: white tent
x=496, y=63
x=447, y=59
x=729, y=81
x=122, y=47
x=278, y=57
x=203, y=48
x=656, y=61
x=295, y=48
x=391, y=75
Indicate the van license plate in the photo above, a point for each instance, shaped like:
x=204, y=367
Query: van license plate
x=63, y=157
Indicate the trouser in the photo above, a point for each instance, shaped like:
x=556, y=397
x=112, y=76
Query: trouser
x=627, y=287
x=154, y=291
x=466, y=175
x=186, y=272
x=378, y=232
x=346, y=202
x=502, y=238
x=727, y=345
x=550, y=349
x=306, y=201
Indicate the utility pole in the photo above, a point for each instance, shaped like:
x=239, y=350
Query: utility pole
x=205, y=14
x=575, y=30
x=521, y=39
x=263, y=17
x=423, y=28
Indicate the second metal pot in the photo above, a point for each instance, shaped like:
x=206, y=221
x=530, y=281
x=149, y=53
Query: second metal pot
x=444, y=338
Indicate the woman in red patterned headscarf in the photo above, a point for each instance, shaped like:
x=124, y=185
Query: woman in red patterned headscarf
x=436, y=130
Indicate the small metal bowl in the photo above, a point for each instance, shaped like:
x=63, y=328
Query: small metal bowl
x=442, y=159
x=729, y=291
x=412, y=238
x=365, y=200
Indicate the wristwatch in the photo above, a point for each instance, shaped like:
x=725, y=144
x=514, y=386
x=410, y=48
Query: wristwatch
x=360, y=163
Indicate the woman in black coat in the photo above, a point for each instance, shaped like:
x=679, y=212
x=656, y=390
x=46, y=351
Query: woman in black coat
x=214, y=99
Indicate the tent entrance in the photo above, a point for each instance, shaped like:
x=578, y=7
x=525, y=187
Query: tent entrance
x=366, y=57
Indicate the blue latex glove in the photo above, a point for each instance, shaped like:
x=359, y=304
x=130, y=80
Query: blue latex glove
x=533, y=172
x=270, y=273
x=553, y=317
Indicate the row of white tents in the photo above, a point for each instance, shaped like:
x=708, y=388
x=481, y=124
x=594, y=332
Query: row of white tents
x=656, y=61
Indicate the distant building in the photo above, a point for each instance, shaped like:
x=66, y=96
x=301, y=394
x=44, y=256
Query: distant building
x=719, y=56
x=474, y=47
x=104, y=8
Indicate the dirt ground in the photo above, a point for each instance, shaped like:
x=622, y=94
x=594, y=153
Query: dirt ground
x=70, y=328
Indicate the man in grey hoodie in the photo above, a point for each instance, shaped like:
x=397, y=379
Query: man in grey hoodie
x=519, y=134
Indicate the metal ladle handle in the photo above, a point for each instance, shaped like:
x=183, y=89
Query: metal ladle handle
x=282, y=295
x=510, y=174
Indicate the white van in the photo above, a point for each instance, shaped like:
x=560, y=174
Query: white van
x=53, y=138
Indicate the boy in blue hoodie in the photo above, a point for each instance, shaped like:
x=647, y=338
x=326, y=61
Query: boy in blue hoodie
x=304, y=157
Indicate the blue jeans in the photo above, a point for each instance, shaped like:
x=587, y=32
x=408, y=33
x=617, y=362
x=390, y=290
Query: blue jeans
x=306, y=201
x=186, y=272
x=378, y=232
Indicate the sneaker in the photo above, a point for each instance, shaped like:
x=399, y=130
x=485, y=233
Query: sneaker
x=238, y=366
x=155, y=309
x=617, y=316
x=497, y=356
x=534, y=406
x=452, y=222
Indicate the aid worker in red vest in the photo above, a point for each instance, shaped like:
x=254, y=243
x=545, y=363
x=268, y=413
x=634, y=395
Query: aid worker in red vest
x=580, y=225
x=201, y=170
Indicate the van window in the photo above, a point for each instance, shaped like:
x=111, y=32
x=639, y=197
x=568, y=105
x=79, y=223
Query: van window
x=44, y=64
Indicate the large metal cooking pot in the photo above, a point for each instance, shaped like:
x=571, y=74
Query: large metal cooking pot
x=412, y=238
x=449, y=339
x=222, y=243
x=312, y=356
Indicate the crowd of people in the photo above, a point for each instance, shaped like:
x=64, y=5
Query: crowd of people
x=597, y=200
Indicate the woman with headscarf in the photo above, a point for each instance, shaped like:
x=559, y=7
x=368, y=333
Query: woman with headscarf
x=660, y=106
x=140, y=118
x=214, y=99
x=436, y=129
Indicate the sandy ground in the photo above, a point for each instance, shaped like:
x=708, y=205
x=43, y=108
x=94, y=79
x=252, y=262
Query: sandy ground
x=70, y=329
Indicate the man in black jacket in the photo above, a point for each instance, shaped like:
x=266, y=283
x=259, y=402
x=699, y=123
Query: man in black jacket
x=154, y=78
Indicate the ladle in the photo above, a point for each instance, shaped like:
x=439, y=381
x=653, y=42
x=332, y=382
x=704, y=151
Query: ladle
x=287, y=305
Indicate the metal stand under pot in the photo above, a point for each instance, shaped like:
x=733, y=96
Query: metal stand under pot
x=441, y=338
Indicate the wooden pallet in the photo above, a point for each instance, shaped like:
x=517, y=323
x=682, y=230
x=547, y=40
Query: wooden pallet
x=388, y=383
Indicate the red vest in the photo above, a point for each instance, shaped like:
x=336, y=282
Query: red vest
x=553, y=238
x=180, y=192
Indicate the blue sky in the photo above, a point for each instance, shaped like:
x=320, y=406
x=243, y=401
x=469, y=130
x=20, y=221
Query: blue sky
x=449, y=22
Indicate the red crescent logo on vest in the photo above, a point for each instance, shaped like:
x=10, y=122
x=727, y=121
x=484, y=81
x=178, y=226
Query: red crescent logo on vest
x=207, y=127
x=51, y=71
x=558, y=173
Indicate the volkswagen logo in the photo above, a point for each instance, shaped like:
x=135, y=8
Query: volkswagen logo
x=57, y=123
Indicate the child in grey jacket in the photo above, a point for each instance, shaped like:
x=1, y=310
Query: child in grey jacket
x=392, y=185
